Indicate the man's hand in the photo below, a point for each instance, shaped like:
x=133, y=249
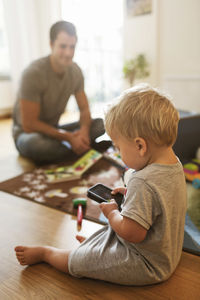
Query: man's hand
x=83, y=134
x=108, y=207
x=79, y=144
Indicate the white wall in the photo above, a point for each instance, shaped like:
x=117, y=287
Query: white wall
x=180, y=51
x=170, y=38
x=140, y=36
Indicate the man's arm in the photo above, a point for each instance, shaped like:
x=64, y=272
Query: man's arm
x=30, y=112
x=85, y=117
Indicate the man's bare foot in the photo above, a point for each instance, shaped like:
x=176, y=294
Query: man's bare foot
x=80, y=238
x=30, y=255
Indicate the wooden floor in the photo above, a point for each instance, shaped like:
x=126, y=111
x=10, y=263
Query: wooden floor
x=25, y=222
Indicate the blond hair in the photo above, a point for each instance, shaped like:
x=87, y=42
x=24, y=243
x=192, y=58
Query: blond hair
x=144, y=112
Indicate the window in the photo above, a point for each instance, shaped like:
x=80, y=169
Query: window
x=4, y=51
x=99, y=48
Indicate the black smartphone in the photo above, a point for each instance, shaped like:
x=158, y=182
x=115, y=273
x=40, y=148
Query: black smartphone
x=101, y=193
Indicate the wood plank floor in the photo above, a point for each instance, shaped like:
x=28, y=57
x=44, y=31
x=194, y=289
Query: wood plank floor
x=25, y=222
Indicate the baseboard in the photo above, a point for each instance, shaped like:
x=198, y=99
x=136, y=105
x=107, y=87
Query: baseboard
x=5, y=112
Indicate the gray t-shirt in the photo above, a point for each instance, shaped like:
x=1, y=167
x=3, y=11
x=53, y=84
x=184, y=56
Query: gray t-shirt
x=156, y=199
x=39, y=83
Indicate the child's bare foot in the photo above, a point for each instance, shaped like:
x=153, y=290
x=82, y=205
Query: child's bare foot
x=57, y=258
x=30, y=255
x=80, y=238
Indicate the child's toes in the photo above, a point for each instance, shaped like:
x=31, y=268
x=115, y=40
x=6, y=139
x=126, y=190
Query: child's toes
x=23, y=261
x=19, y=249
x=80, y=238
x=19, y=259
x=19, y=254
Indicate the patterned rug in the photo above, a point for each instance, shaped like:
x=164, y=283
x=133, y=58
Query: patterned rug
x=34, y=186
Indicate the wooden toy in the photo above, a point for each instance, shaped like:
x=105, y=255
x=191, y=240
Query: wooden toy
x=79, y=203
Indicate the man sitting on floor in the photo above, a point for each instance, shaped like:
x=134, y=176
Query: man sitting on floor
x=45, y=88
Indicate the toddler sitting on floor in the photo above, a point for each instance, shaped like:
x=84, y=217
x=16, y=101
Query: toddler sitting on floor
x=142, y=244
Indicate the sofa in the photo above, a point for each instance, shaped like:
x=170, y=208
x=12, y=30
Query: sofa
x=187, y=143
x=188, y=139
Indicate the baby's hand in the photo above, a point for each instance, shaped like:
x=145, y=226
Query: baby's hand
x=121, y=190
x=107, y=207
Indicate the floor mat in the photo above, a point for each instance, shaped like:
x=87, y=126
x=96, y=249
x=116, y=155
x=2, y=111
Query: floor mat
x=191, y=237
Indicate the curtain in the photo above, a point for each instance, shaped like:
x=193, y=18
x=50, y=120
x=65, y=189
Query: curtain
x=28, y=23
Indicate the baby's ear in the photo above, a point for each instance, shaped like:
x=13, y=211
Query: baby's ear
x=141, y=146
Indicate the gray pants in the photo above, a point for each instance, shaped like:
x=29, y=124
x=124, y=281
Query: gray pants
x=43, y=149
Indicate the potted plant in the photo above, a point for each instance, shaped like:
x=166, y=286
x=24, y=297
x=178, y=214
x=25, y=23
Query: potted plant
x=136, y=68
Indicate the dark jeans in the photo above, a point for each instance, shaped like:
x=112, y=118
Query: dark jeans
x=43, y=149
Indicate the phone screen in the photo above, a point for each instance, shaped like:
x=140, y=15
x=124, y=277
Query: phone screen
x=103, y=191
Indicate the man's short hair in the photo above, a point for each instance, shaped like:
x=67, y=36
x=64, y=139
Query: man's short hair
x=143, y=111
x=59, y=26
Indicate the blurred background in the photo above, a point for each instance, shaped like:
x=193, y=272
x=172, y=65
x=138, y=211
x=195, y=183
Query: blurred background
x=111, y=36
